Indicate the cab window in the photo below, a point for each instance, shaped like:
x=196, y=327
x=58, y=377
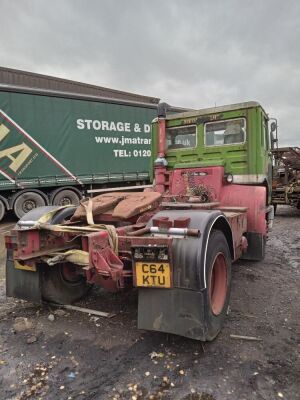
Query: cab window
x=181, y=137
x=225, y=132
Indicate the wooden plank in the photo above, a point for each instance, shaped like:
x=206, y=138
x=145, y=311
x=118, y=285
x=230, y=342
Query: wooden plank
x=83, y=310
x=253, y=338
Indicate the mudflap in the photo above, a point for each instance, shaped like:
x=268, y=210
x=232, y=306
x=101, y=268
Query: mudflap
x=256, y=247
x=176, y=311
x=22, y=284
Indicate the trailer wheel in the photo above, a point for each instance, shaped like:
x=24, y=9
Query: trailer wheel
x=26, y=202
x=62, y=284
x=2, y=210
x=218, y=281
x=66, y=197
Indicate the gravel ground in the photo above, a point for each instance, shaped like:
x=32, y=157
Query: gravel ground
x=78, y=356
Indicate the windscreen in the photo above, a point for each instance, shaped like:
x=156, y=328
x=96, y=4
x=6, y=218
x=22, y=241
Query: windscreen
x=181, y=137
x=225, y=132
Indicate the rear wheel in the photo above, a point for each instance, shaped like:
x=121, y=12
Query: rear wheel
x=218, y=282
x=63, y=284
x=66, y=197
x=26, y=202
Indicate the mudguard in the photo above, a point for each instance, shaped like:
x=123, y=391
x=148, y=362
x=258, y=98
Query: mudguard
x=22, y=284
x=189, y=253
x=177, y=311
x=256, y=247
x=180, y=310
x=26, y=284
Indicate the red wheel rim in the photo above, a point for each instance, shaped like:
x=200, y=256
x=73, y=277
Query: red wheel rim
x=69, y=273
x=218, y=284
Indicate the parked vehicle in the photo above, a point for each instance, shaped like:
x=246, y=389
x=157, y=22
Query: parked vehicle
x=210, y=205
x=286, y=176
x=55, y=146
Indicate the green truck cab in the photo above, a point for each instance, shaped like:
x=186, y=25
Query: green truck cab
x=235, y=137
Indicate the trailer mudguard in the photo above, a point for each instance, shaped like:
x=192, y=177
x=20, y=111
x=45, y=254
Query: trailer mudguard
x=180, y=310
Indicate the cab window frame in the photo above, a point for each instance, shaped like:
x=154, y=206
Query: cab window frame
x=222, y=121
x=180, y=127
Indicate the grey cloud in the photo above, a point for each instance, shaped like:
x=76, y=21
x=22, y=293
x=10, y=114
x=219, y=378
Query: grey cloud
x=189, y=53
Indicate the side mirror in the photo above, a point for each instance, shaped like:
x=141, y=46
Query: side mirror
x=273, y=127
x=274, y=139
x=273, y=133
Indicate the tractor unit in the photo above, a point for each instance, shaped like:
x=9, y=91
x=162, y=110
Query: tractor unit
x=209, y=206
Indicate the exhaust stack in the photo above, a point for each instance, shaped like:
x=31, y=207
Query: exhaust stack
x=161, y=163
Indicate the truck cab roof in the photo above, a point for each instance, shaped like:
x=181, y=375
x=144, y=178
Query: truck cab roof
x=216, y=110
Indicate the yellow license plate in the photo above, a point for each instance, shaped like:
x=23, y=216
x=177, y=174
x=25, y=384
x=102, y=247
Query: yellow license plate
x=153, y=274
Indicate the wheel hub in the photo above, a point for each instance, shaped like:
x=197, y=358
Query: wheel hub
x=29, y=205
x=65, y=201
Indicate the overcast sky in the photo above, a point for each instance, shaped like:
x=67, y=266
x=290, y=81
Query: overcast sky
x=189, y=53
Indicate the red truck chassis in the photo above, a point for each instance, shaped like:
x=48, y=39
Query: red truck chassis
x=177, y=249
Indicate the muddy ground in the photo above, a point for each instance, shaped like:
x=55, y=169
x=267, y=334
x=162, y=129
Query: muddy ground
x=77, y=356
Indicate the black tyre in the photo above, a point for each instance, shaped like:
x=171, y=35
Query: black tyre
x=218, y=281
x=2, y=210
x=26, y=202
x=63, y=215
x=65, y=197
x=62, y=284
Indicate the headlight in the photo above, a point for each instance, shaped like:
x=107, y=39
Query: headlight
x=229, y=178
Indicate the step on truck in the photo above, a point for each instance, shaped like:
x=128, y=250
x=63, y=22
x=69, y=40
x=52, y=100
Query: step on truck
x=210, y=205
